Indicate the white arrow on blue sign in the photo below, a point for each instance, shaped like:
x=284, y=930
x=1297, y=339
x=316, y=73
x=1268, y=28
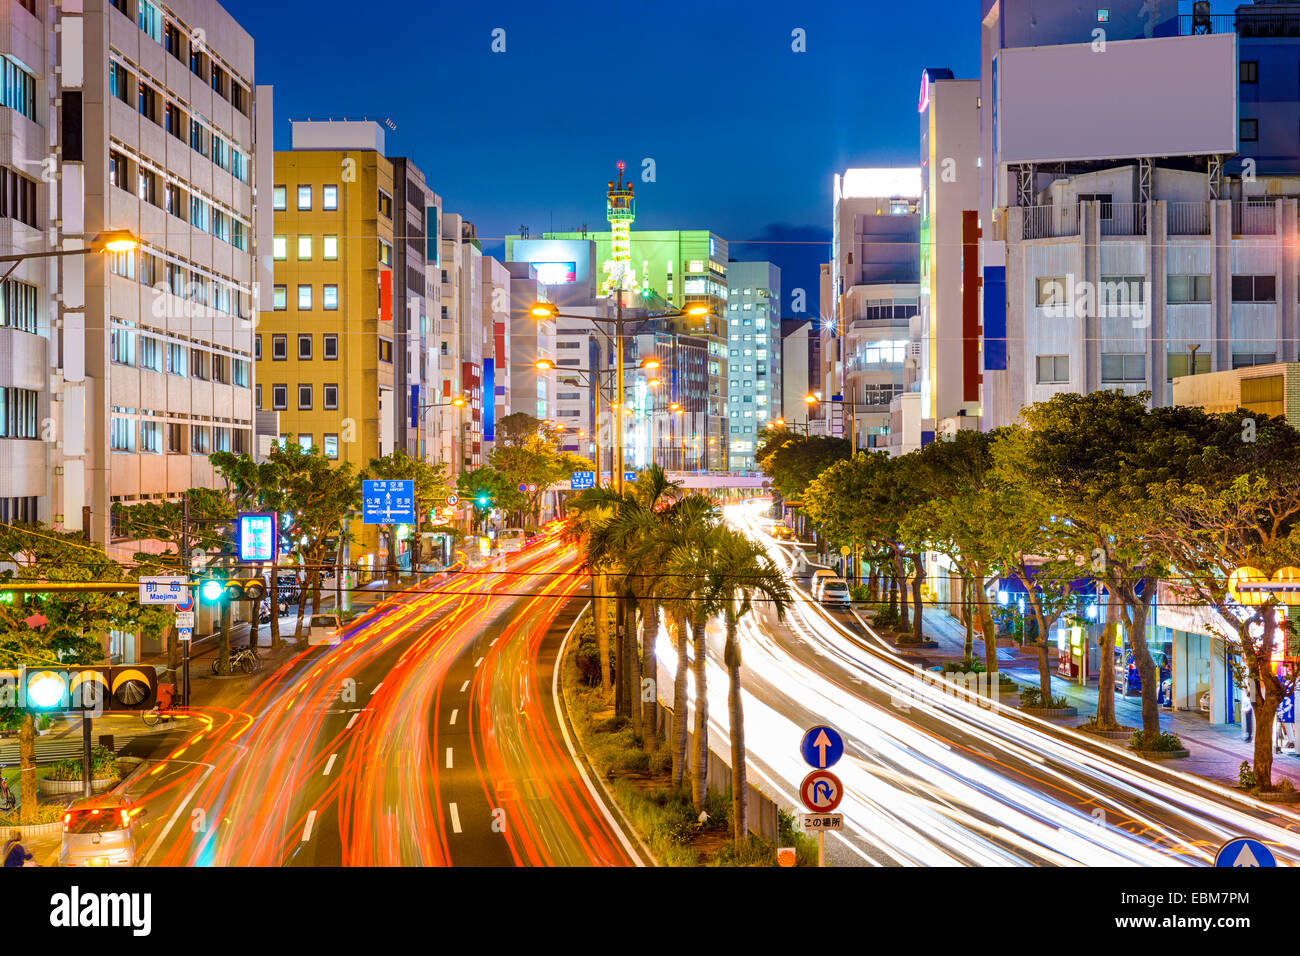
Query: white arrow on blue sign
x=822, y=747
x=388, y=502
x=581, y=479
x=1244, y=852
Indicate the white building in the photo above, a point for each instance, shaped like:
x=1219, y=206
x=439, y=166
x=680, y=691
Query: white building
x=753, y=323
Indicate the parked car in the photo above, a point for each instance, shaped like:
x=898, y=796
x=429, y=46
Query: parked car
x=323, y=629
x=834, y=591
x=97, y=832
x=1128, y=682
x=818, y=577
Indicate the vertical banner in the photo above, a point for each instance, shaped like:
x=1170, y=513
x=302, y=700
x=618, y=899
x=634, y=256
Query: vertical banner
x=415, y=406
x=489, y=399
x=386, y=296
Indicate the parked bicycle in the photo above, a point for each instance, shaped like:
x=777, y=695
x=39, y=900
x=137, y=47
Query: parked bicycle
x=246, y=659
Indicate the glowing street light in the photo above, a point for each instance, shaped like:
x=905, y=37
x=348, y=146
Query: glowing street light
x=543, y=310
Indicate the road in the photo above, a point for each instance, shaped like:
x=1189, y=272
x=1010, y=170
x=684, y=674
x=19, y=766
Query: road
x=932, y=778
x=428, y=737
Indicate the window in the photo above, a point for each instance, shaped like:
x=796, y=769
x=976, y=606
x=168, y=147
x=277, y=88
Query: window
x=121, y=344
x=151, y=437
x=304, y=297
x=385, y=205
x=304, y=347
x=174, y=203
x=196, y=62
x=175, y=438
x=385, y=350
x=304, y=398
x=1053, y=369
x=149, y=20
x=385, y=253
x=121, y=433
x=304, y=248
x=1247, y=359
x=329, y=198
x=199, y=364
x=149, y=353
x=1188, y=288
x=304, y=197
x=117, y=170
x=220, y=439
x=200, y=440
x=198, y=214
x=331, y=397
x=177, y=360
x=1248, y=72
x=280, y=248
x=220, y=368
x=219, y=152
x=146, y=186
x=147, y=102
x=331, y=445
x=198, y=137
x=18, y=305
x=329, y=297
x=279, y=198
x=257, y=397
x=117, y=82
x=279, y=397
x=218, y=80
x=1178, y=363
x=1051, y=291
x=239, y=97
x=280, y=298
x=279, y=347
x=1249, y=131
x=172, y=40
x=1259, y=288
x=122, y=264
x=1123, y=367
x=172, y=120
x=305, y=442
x=330, y=347
x=1120, y=293
x=330, y=248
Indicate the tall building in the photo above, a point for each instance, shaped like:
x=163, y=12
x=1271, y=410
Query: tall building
x=1157, y=243
x=797, y=375
x=874, y=289
x=465, y=340
x=135, y=366
x=754, y=331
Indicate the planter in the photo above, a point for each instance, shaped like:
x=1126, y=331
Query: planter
x=1124, y=733
x=1161, y=754
x=1279, y=796
x=1050, y=711
x=39, y=829
x=74, y=787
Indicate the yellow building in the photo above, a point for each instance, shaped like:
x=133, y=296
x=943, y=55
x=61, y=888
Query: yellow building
x=325, y=353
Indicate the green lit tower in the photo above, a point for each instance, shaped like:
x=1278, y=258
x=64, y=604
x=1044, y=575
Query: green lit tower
x=620, y=210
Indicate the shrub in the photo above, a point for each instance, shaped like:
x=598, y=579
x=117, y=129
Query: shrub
x=1246, y=776
x=1160, y=742
x=861, y=593
x=968, y=666
x=886, y=616
x=103, y=765
x=1032, y=697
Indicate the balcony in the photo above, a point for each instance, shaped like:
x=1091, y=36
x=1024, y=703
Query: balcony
x=1187, y=218
x=1123, y=219
x=1254, y=218
x=1251, y=23
x=1050, y=222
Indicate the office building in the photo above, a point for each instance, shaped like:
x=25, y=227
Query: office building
x=754, y=342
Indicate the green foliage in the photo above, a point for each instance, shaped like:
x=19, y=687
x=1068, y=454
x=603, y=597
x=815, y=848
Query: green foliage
x=1031, y=698
x=965, y=666
x=886, y=616
x=1161, y=742
x=1246, y=776
x=792, y=461
x=861, y=593
x=103, y=766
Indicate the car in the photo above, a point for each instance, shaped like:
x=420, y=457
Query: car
x=782, y=533
x=818, y=576
x=323, y=629
x=834, y=591
x=97, y=831
x=510, y=540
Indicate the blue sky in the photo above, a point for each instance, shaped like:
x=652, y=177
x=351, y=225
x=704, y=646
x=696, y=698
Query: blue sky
x=744, y=133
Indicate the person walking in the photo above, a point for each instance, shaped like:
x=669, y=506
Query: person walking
x=15, y=853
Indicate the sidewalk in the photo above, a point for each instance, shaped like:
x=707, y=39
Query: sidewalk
x=1216, y=750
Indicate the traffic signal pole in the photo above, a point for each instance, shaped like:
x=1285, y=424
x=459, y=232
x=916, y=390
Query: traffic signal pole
x=86, y=789
x=185, y=567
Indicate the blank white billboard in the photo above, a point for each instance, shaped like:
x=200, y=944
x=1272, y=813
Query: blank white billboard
x=1173, y=96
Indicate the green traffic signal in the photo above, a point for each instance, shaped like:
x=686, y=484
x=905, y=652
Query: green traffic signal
x=484, y=500
x=212, y=590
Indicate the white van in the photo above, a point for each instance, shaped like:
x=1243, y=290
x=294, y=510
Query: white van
x=834, y=591
x=323, y=629
x=817, y=578
x=510, y=540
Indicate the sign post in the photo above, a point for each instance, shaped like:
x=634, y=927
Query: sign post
x=821, y=791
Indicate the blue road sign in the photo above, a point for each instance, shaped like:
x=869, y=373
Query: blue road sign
x=1244, y=852
x=822, y=747
x=581, y=479
x=388, y=502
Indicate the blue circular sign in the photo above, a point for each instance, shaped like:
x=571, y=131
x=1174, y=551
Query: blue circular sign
x=1244, y=852
x=822, y=747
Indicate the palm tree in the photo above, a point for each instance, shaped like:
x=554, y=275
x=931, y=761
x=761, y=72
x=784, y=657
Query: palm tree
x=740, y=570
x=588, y=511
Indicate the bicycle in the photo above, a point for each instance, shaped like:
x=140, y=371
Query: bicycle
x=7, y=799
x=246, y=659
x=157, y=713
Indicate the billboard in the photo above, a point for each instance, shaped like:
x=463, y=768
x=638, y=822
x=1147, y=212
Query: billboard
x=1172, y=96
x=256, y=537
x=554, y=273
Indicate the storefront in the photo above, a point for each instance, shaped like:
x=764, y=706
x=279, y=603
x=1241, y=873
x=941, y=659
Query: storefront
x=1073, y=638
x=1201, y=665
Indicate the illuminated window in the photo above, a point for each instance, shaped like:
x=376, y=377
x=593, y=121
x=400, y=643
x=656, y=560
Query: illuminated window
x=304, y=248
x=329, y=298
x=280, y=247
x=304, y=197
x=304, y=297
x=329, y=197
x=279, y=198
x=330, y=247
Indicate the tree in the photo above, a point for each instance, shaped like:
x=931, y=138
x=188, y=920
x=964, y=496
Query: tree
x=739, y=572
x=55, y=629
x=533, y=459
x=430, y=483
x=793, y=461
x=1241, y=512
x=486, y=488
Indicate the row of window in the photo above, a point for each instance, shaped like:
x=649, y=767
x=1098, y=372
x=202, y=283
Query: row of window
x=1130, y=367
x=329, y=299
x=129, y=435
x=155, y=107
x=329, y=443
x=306, y=397
x=192, y=286
x=166, y=32
x=17, y=88
x=1181, y=289
x=329, y=198
x=18, y=413
x=280, y=347
x=149, y=186
x=329, y=248
x=129, y=346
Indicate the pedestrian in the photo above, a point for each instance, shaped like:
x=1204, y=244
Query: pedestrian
x=1247, y=712
x=15, y=853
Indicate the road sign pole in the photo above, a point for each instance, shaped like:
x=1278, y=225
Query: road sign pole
x=86, y=789
x=821, y=848
x=185, y=565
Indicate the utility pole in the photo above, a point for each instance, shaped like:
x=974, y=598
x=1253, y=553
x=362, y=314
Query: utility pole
x=185, y=569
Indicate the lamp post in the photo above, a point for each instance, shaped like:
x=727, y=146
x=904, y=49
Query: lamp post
x=545, y=310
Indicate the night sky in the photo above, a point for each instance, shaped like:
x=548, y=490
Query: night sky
x=744, y=132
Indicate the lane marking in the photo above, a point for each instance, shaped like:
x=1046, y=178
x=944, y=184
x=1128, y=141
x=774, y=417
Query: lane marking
x=329, y=765
x=376, y=689
x=464, y=687
x=453, y=716
x=494, y=642
x=352, y=721
x=448, y=758
x=478, y=662
x=306, y=831
x=455, y=818
x=171, y=822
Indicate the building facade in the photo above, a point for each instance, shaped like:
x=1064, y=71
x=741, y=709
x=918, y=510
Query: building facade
x=754, y=398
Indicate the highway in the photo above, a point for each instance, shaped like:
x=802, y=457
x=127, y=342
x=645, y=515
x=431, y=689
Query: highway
x=427, y=737
x=935, y=779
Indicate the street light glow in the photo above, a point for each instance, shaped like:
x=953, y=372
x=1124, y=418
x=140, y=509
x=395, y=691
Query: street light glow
x=544, y=364
x=115, y=240
x=543, y=310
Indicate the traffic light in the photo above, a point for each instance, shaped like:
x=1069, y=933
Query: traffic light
x=233, y=589
x=483, y=499
x=124, y=687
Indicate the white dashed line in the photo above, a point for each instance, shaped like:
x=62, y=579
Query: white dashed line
x=377, y=686
x=453, y=716
x=464, y=687
x=494, y=642
x=478, y=662
x=352, y=721
x=306, y=831
x=448, y=758
x=455, y=818
x=329, y=765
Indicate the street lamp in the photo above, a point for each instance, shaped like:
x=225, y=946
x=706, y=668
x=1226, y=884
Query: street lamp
x=113, y=240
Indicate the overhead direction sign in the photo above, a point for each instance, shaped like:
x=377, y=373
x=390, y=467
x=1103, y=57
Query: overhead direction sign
x=581, y=479
x=385, y=501
x=163, y=590
x=1244, y=852
x=821, y=791
x=822, y=747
